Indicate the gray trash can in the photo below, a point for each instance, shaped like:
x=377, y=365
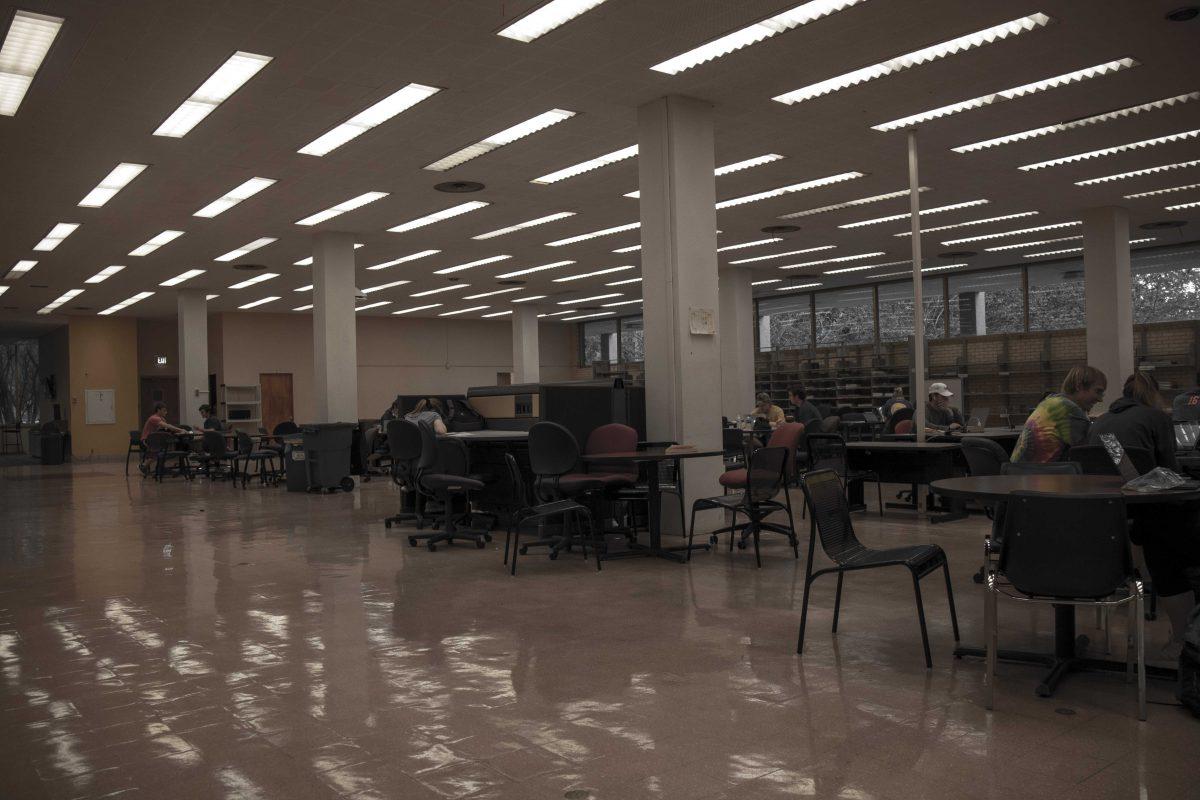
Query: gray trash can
x=327, y=455
x=296, y=467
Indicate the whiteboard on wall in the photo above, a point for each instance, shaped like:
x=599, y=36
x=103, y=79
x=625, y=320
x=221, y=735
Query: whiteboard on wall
x=100, y=407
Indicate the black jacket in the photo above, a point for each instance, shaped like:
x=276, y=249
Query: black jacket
x=1136, y=425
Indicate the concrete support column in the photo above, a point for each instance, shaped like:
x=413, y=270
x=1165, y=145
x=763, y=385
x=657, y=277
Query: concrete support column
x=736, y=325
x=1108, y=293
x=679, y=283
x=526, y=359
x=193, y=355
x=335, y=341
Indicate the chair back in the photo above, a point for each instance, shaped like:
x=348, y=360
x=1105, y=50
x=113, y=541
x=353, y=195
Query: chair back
x=827, y=503
x=1029, y=468
x=135, y=439
x=263, y=431
x=831, y=424
x=1092, y=459
x=404, y=446
x=245, y=445
x=285, y=428
x=788, y=436
x=518, y=493
x=452, y=457
x=732, y=443
x=984, y=457
x=900, y=415
x=827, y=451
x=766, y=473
x=428, y=459
x=553, y=451
x=160, y=442
x=1070, y=547
x=213, y=443
x=611, y=438
x=903, y=426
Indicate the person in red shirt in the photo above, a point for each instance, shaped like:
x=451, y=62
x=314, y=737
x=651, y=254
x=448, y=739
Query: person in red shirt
x=157, y=421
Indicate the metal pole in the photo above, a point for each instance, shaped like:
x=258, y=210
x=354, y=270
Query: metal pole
x=914, y=204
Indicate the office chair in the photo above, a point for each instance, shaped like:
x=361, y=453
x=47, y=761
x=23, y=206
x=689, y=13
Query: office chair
x=521, y=514
x=264, y=460
x=898, y=416
x=213, y=454
x=135, y=446
x=163, y=446
x=445, y=465
x=765, y=478
x=404, y=445
x=553, y=456
x=828, y=451
x=1093, y=459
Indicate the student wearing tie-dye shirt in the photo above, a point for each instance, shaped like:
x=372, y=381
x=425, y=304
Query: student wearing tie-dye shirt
x=1060, y=421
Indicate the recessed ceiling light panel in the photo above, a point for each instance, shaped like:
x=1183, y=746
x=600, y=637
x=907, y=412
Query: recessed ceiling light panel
x=587, y=166
x=795, y=187
x=784, y=255
x=156, y=242
x=438, y=216
x=64, y=298
x=405, y=259
x=365, y=120
x=341, y=208
x=595, y=234
x=229, y=77
x=25, y=47
x=266, y=276
x=234, y=255
x=470, y=264
x=862, y=201
x=183, y=276
x=137, y=298
x=922, y=212
x=1108, y=151
x=497, y=140
x=112, y=183
x=256, y=303
x=104, y=274
x=234, y=196
x=55, y=237
x=545, y=18
x=527, y=224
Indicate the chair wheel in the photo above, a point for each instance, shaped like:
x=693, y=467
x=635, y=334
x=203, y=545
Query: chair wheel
x=524, y=551
x=741, y=544
x=480, y=544
x=431, y=547
x=487, y=537
x=712, y=539
x=387, y=523
x=347, y=484
x=412, y=541
x=553, y=555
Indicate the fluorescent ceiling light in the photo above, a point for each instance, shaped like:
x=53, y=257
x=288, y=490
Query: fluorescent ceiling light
x=753, y=34
x=595, y=234
x=784, y=255
x=567, y=278
x=864, y=267
x=307, y=262
x=470, y=264
x=452, y=288
x=1053, y=252
x=303, y=308
x=462, y=311
x=633, y=248
x=1182, y=206
x=840, y=260
x=25, y=47
x=795, y=187
x=625, y=282
x=55, y=237
x=587, y=166
x=545, y=18
x=942, y=267
x=1138, y=172
x=234, y=196
x=405, y=259
x=916, y=57
x=1010, y=94
x=181, y=277
x=233, y=255
x=256, y=303
x=587, y=316
x=1154, y=192
x=862, y=201
x=3, y=289
x=922, y=212
x=437, y=216
x=589, y=299
x=307, y=288
x=621, y=303
x=764, y=283
x=560, y=313
x=229, y=77
x=755, y=243
x=368, y=118
x=155, y=243
x=522, y=225
x=383, y=286
x=529, y=270
x=1059, y=127
x=342, y=208
x=968, y=223
x=986, y=236
x=211, y=296
x=1038, y=243
x=377, y=304
x=498, y=313
x=104, y=274
x=63, y=298
x=737, y=166
x=112, y=183
x=266, y=276
x=416, y=308
x=793, y=287
x=497, y=140
x=481, y=295
x=137, y=298
x=527, y=299
x=1108, y=151
x=19, y=269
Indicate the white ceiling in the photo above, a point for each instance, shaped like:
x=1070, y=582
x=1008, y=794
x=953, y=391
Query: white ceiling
x=118, y=69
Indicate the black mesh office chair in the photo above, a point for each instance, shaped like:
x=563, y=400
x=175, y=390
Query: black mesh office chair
x=135, y=446
x=1093, y=459
x=521, y=514
x=167, y=455
x=445, y=480
x=831, y=520
x=828, y=451
x=264, y=461
x=1067, y=551
x=553, y=458
x=404, y=447
x=898, y=416
x=984, y=456
x=765, y=478
x=214, y=455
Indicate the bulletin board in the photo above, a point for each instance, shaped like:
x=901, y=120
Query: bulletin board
x=100, y=407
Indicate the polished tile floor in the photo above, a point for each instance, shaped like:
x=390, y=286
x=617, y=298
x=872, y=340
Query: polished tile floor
x=193, y=640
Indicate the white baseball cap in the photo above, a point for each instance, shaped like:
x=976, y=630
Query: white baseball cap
x=940, y=388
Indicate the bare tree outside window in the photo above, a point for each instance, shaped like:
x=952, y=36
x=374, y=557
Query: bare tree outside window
x=18, y=382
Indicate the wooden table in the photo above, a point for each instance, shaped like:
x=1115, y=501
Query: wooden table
x=653, y=455
x=490, y=435
x=1068, y=648
x=909, y=462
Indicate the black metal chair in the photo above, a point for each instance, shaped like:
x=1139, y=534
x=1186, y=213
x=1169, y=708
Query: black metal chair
x=163, y=447
x=828, y=451
x=213, y=455
x=733, y=442
x=1093, y=459
x=554, y=460
x=898, y=416
x=1068, y=551
x=765, y=478
x=446, y=480
x=404, y=447
x=831, y=519
x=521, y=514
x=135, y=446
x=984, y=456
x=264, y=460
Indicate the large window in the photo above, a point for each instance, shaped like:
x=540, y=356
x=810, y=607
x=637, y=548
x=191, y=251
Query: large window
x=845, y=316
x=785, y=323
x=896, y=310
x=18, y=382
x=612, y=341
x=633, y=340
x=1056, y=295
x=1166, y=285
x=986, y=302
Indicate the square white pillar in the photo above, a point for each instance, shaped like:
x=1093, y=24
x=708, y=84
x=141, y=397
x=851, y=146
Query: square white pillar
x=736, y=325
x=335, y=341
x=1108, y=293
x=193, y=355
x=526, y=358
x=679, y=283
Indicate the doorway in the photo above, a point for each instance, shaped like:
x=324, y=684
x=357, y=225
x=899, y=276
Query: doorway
x=276, y=388
x=160, y=389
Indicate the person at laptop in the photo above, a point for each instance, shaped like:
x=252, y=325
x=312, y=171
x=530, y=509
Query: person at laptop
x=1137, y=420
x=1060, y=419
x=211, y=423
x=1186, y=407
x=803, y=411
x=764, y=409
x=428, y=411
x=939, y=414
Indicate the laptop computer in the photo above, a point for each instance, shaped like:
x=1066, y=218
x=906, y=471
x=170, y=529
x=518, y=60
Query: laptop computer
x=978, y=418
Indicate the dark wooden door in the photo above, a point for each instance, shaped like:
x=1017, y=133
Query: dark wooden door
x=160, y=389
x=276, y=388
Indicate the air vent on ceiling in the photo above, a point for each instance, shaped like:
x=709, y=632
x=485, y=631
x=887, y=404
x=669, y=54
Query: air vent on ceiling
x=459, y=187
x=82, y=308
x=1163, y=225
x=38, y=286
x=958, y=254
x=511, y=282
x=250, y=267
x=1184, y=14
x=781, y=229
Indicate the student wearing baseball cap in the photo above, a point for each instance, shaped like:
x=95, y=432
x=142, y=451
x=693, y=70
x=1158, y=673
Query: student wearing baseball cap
x=939, y=414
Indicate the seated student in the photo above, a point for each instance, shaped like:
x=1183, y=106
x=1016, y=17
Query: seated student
x=1186, y=407
x=428, y=411
x=894, y=403
x=157, y=421
x=803, y=411
x=1060, y=421
x=767, y=410
x=211, y=423
x=939, y=414
x=393, y=412
x=1137, y=420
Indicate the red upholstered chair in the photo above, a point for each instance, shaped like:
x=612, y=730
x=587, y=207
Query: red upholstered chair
x=904, y=426
x=787, y=436
x=612, y=438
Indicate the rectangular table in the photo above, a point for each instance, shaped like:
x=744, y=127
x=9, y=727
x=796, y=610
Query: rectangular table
x=912, y=462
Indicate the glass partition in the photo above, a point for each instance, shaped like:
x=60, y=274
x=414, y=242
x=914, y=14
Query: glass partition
x=896, y=310
x=633, y=340
x=1166, y=285
x=1056, y=295
x=845, y=316
x=598, y=342
x=785, y=323
x=986, y=302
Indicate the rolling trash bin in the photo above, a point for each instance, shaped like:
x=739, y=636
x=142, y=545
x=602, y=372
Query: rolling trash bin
x=327, y=455
x=296, y=467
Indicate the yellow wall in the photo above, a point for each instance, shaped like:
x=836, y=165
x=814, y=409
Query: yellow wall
x=104, y=355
